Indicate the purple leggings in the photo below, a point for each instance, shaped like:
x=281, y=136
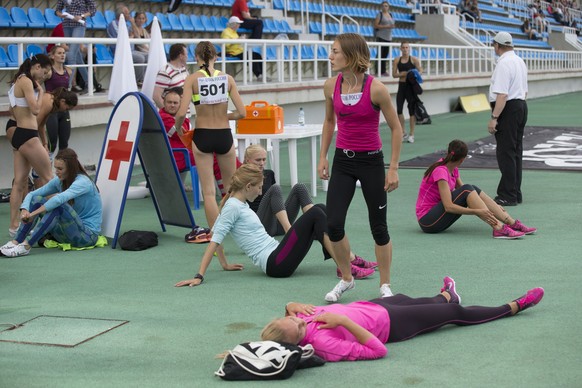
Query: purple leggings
x=291, y=251
x=410, y=317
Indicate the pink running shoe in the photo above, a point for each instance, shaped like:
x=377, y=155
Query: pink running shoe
x=507, y=233
x=358, y=272
x=518, y=226
x=449, y=286
x=359, y=262
x=530, y=299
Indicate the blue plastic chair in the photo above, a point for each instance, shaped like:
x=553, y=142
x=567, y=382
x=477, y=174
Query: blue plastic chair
x=164, y=23
x=197, y=23
x=103, y=55
x=52, y=20
x=174, y=21
x=37, y=19
x=33, y=49
x=13, y=53
x=109, y=16
x=186, y=22
x=269, y=26
x=5, y=60
x=208, y=26
x=19, y=17
x=98, y=21
x=193, y=176
x=5, y=19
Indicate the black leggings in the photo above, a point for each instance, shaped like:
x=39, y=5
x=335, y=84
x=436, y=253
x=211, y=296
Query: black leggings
x=437, y=219
x=368, y=168
x=291, y=251
x=58, y=128
x=405, y=92
x=272, y=203
x=410, y=317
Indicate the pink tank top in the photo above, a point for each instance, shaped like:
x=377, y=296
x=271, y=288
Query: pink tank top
x=357, y=124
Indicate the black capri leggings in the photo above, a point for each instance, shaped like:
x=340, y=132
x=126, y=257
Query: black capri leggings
x=349, y=167
x=405, y=93
x=58, y=128
x=291, y=251
x=410, y=317
x=437, y=219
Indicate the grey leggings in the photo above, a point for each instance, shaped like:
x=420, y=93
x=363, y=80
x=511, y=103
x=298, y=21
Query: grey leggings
x=272, y=203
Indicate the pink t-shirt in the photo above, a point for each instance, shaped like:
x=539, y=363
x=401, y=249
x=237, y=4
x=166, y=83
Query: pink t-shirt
x=428, y=194
x=339, y=344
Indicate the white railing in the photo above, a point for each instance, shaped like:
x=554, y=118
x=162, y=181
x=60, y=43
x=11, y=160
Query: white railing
x=292, y=61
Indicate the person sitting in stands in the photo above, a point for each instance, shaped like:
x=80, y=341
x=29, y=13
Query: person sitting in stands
x=240, y=10
x=359, y=330
x=531, y=33
x=237, y=50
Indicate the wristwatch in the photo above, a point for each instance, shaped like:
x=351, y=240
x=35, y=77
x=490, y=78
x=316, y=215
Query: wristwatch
x=198, y=276
x=494, y=117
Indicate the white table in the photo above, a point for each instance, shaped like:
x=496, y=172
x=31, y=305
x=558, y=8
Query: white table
x=291, y=133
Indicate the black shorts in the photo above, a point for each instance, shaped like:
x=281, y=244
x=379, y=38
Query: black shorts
x=213, y=140
x=22, y=135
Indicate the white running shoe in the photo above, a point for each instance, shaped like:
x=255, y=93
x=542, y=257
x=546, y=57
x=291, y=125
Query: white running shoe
x=404, y=137
x=411, y=139
x=385, y=290
x=8, y=245
x=16, y=250
x=343, y=286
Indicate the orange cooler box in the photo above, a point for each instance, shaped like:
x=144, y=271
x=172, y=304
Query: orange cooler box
x=261, y=118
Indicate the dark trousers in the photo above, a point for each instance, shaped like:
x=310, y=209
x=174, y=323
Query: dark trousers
x=257, y=64
x=410, y=317
x=509, y=138
x=256, y=25
x=58, y=128
x=384, y=51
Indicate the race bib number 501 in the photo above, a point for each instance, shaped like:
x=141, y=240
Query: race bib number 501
x=213, y=90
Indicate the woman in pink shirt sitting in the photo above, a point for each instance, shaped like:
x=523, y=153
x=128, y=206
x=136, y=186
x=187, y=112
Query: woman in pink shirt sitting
x=359, y=330
x=443, y=198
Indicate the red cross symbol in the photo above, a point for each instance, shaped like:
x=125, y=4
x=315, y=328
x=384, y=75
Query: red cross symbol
x=118, y=150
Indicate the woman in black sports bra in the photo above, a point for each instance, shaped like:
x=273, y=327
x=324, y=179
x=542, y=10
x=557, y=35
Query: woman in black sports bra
x=210, y=90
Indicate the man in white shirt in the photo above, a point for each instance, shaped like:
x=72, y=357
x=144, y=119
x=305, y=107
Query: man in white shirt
x=507, y=95
x=173, y=75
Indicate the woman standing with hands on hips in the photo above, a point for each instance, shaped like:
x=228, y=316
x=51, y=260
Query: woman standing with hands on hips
x=355, y=99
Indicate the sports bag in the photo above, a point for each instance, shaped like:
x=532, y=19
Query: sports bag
x=137, y=240
x=266, y=360
x=422, y=116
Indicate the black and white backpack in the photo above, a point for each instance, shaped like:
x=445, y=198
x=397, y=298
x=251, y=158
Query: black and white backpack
x=266, y=360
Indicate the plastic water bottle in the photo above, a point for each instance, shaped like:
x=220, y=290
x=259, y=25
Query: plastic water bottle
x=301, y=117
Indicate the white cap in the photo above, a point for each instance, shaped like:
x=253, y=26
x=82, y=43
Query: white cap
x=504, y=38
x=234, y=19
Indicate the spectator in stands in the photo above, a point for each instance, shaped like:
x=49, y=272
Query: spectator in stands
x=237, y=50
x=71, y=207
x=354, y=100
x=555, y=9
x=210, y=90
x=402, y=65
x=383, y=25
x=538, y=17
x=29, y=144
x=240, y=9
x=507, y=95
x=530, y=32
x=174, y=74
x=138, y=57
x=74, y=27
x=58, y=123
x=474, y=9
x=443, y=199
x=138, y=31
x=469, y=7
x=432, y=6
x=359, y=330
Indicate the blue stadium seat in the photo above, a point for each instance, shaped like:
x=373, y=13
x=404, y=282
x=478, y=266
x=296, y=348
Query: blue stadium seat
x=36, y=18
x=175, y=22
x=13, y=53
x=109, y=16
x=103, y=55
x=208, y=26
x=5, y=19
x=98, y=21
x=197, y=23
x=52, y=20
x=278, y=4
x=5, y=60
x=33, y=49
x=164, y=23
x=315, y=27
x=19, y=17
x=217, y=23
x=322, y=53
x=269, y=26
x=307, y=52
x=191, y=53
x=186, y=22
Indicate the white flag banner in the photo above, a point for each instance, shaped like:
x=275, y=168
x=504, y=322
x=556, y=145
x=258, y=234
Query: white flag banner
x=156, y=60
x=123, y=74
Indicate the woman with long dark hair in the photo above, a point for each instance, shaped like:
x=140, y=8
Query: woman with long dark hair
x=443, y=198
x=70, y=204
x=25, y=97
